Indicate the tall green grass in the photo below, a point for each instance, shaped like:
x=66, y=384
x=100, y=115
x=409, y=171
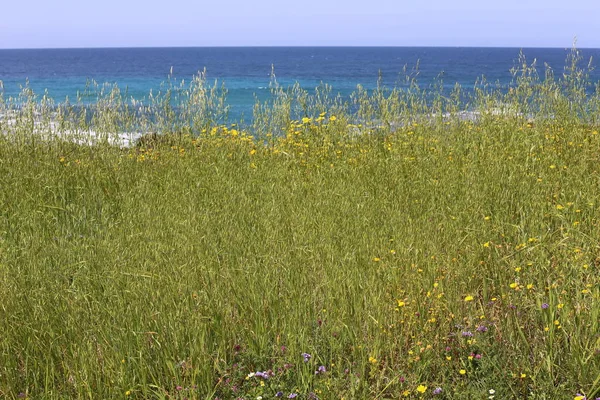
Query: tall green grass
x=379, y=247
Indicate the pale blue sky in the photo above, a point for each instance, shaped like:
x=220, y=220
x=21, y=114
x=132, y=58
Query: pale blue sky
x=133, y=23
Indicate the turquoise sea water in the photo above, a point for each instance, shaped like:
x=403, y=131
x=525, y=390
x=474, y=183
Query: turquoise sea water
x=246, y=71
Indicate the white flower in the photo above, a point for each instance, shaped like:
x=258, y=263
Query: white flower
x=492, y=391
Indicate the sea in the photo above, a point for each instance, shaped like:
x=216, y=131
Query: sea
x=246, y=72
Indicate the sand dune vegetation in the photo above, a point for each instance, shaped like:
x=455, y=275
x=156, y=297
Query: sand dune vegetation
x=400, y=243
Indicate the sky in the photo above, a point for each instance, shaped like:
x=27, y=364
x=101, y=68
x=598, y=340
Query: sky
x=151, y=23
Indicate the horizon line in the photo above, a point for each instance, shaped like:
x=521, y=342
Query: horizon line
x=296, y=46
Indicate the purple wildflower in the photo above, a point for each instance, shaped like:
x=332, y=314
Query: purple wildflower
x=482, y=328
x=545, y=306
x=306, y=356
x=437, y=390
x=467, y=334
x=262, y=374
x=279, y=394
x=293, y=395
x=321, y=370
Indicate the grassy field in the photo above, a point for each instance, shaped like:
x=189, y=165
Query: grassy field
x=382, y=248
